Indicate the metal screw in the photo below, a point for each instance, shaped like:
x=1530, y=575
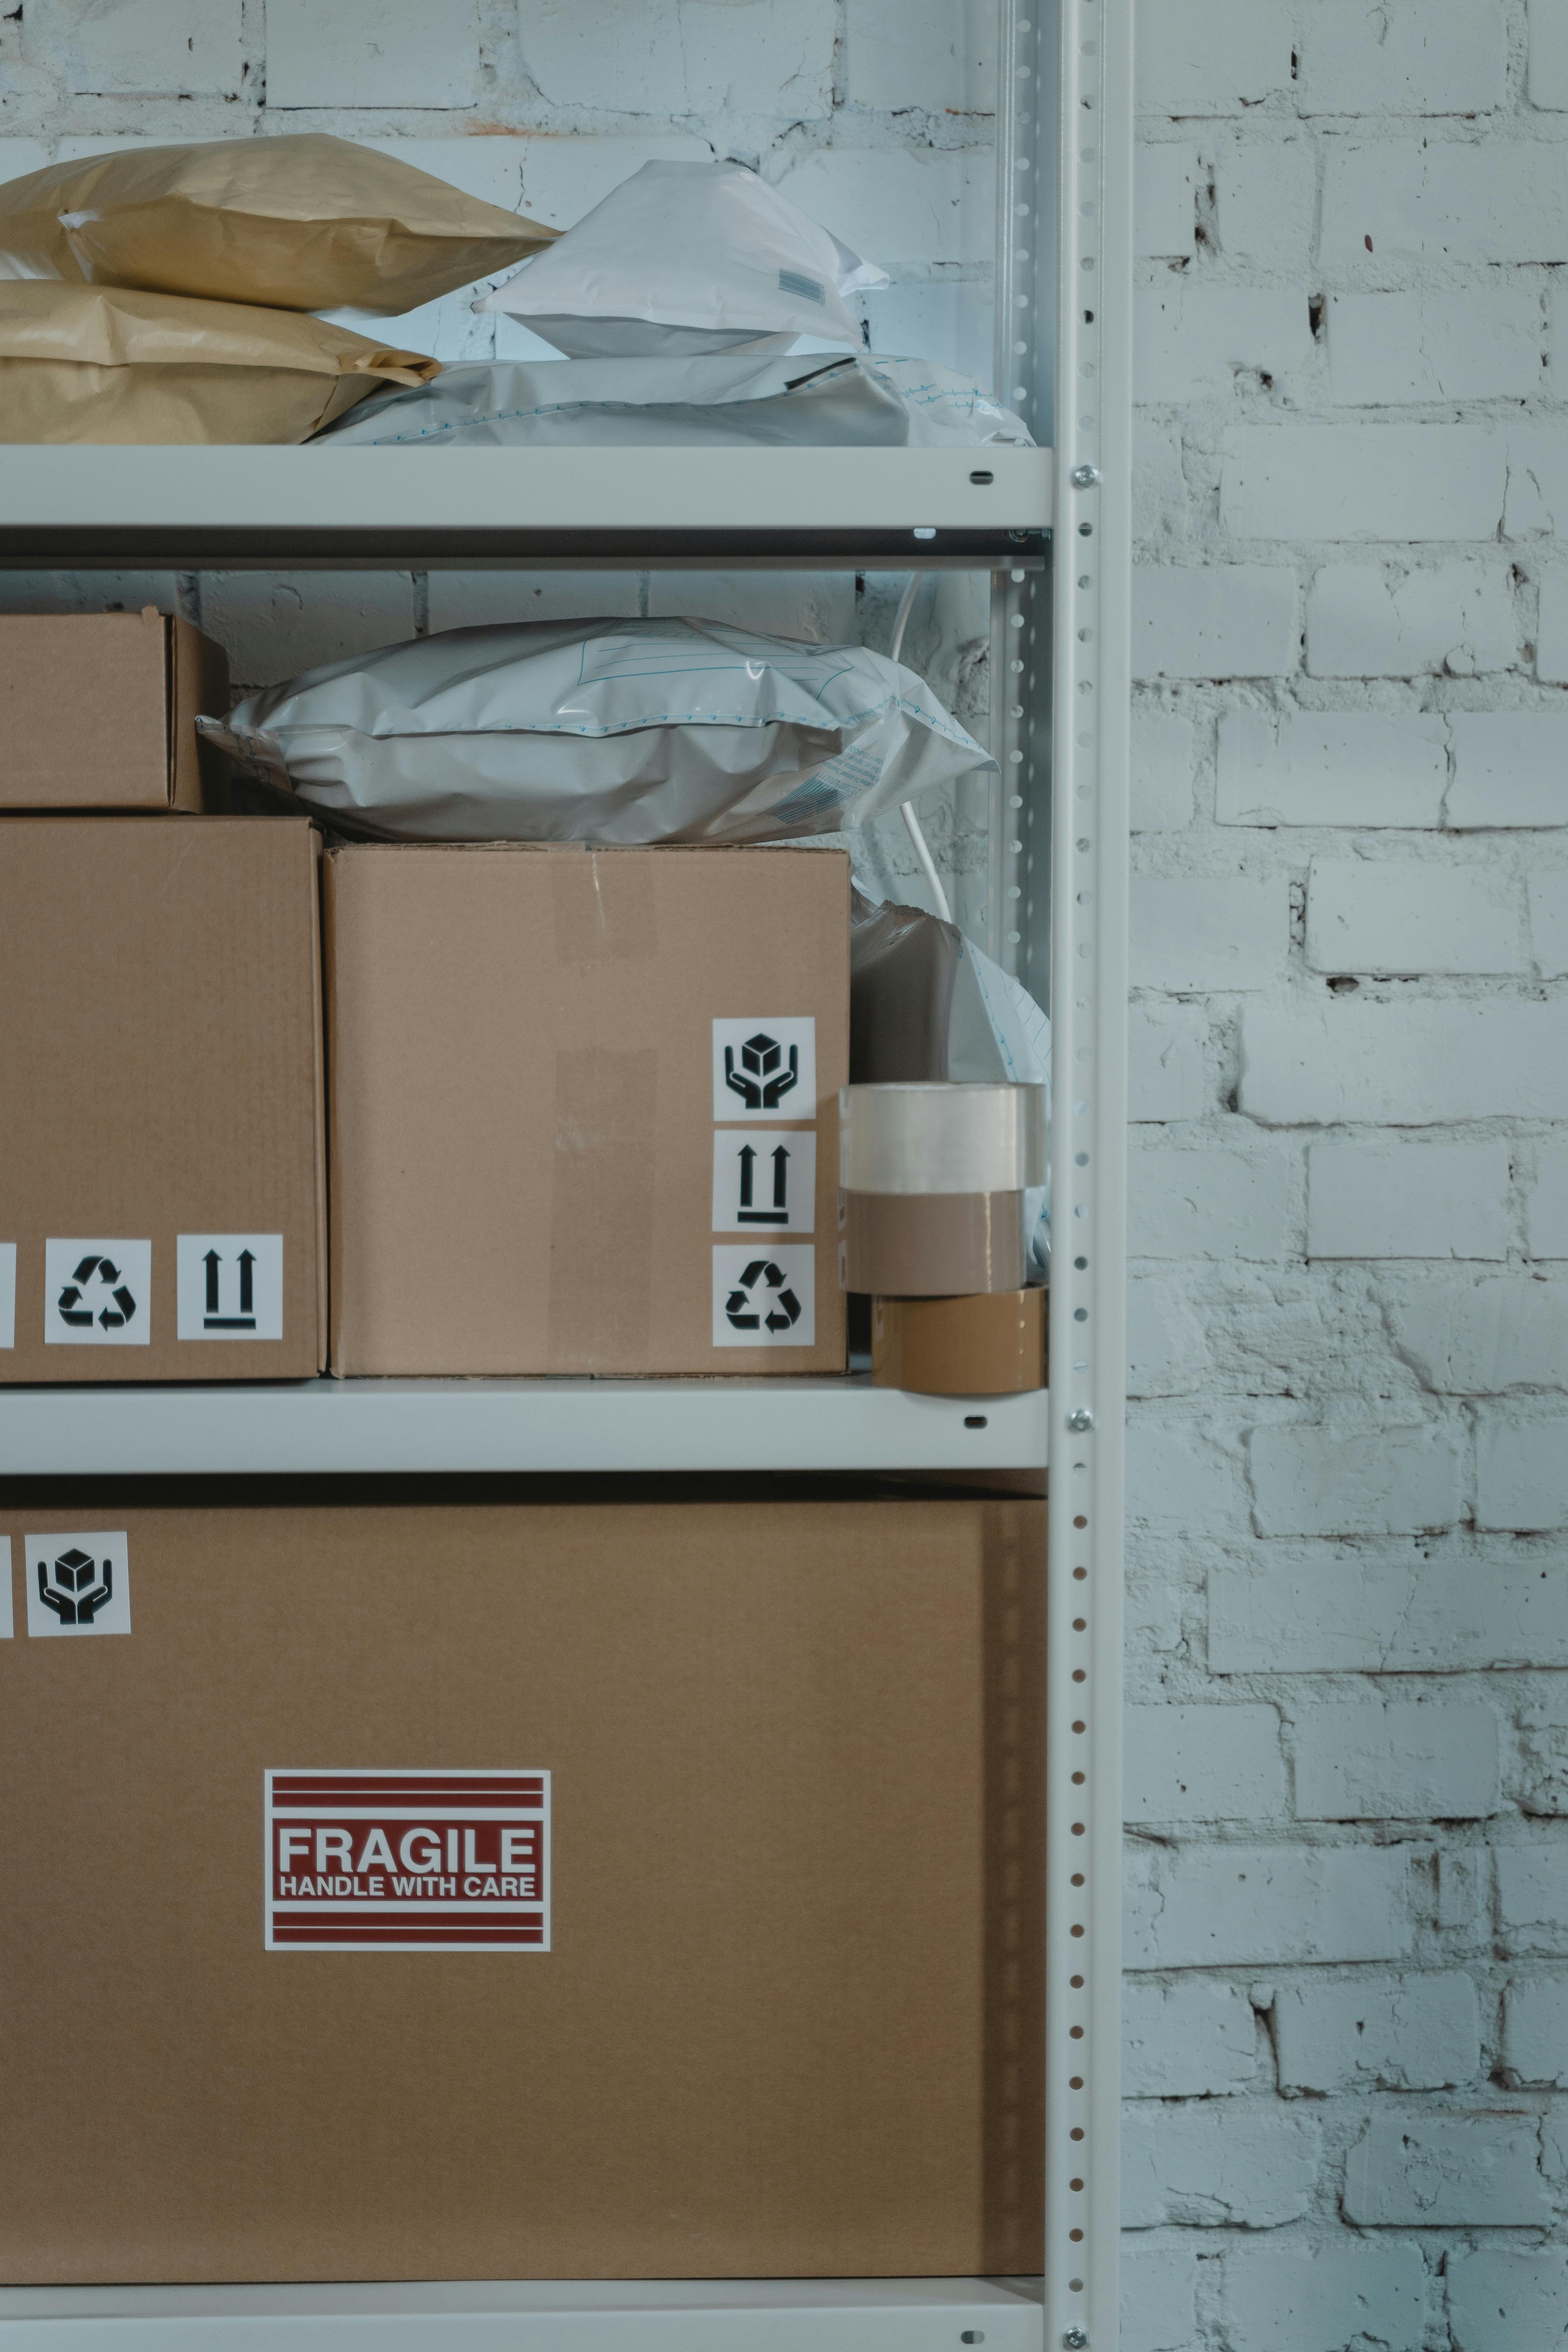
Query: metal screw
x=1075, y=2340
x=1081, y=1421
x=1084, y=478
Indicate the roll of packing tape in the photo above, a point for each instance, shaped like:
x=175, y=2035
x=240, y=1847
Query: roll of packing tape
x=989, y=1346
x=932, y=1245
x=941, y=1138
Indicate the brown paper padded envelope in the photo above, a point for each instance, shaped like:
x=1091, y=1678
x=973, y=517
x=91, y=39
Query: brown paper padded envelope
x=305, y=222
x=788, y=2022
x=94, y=363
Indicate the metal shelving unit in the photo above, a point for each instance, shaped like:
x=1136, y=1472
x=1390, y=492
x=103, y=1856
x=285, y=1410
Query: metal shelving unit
x=1053, y=533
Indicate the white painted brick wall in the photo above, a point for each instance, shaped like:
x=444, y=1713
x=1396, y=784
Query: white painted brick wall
x=1347, y=1460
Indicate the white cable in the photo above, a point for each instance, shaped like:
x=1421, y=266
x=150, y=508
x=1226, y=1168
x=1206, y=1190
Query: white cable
x=911, y=822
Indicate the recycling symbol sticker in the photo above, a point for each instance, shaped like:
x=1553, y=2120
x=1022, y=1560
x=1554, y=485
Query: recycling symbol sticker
x=97, y=1293
x=764, y=1302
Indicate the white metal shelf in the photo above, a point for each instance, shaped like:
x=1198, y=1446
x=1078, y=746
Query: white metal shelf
x=70, y=507
x=564, y=1425
x=678, y=2315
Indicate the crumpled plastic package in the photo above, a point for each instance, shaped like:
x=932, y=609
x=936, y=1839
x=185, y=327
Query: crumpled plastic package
x=87, y=363
x=685, y=257
x=303, y=222
x=609, y=732
x=864, y=401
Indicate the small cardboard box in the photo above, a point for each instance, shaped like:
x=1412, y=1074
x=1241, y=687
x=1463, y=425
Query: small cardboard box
x=584, y=1109
x=97, y=709
x=162, y=1180
x=709, y=1940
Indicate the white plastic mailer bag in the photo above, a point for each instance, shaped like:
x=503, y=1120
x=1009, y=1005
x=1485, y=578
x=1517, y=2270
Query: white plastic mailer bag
x=606, y=731
x=700, y=402
x=687, y=257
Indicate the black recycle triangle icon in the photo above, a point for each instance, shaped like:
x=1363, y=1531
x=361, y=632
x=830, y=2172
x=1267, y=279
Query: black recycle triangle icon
x=96, y=1294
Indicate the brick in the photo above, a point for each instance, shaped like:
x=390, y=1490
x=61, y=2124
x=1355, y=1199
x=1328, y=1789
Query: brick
x=1304, y=1614
x=1546, y=1203
x=1194, y=2041
x=1447, y=2171
x=1535, y=2033
x=1522, y=1471
x=1194, y=342
x=1486, y=1337
x=1167, y=1352
x=1552, y=628
x=818, y=606
x=1505, y=200
x=1210, y=56
x=1474, y=342
x=1542, y=1772
x=1321, y=2296
x=1159, y=2297
x=900, y=205
x=1532, y=1894
x=1165, y=1079
x=1358, y=768
x=1391, y=917
x=1178, y=1480
x=1208, y=932
x=659, y=57
x=87, y=591
x=389, y=53
x=930, y=59
x=1425, y=56
x=1510, y=768
x=1548, y=55
x=1161, y=772
x=1160, y=497
x=1401, y=2033
x=490, y=167
x=1203, y=1763
x=1220, y=620
x=144, y=49
x=1376, y=1200
x=1502, y=2298
x=1208, y=1203
x=1252, y=1905
x=1408, y=1760
x=1311, y=1479
x=562, y=179
x=1402, y=1064
x=20, y=156
x=1537, y=501
x=1266, y=199
x=1252, y=2168
x=1166, y=183
x=1550, y=925
x=1364, y=481
x=1374, y=620
x=274, y=626
x=469, y=599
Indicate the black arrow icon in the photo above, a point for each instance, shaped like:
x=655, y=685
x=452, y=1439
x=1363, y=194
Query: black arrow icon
x=246, y=1319
x=779, y=1213
x=247, y=1298
x=741, y=1307
x=70, y=1309
x=212, y=1263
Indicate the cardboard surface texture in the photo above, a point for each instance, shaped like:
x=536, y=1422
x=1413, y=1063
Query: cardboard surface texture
x=162, y=1192
x=787, y=2021
x=546, y=1064
x=97, y=709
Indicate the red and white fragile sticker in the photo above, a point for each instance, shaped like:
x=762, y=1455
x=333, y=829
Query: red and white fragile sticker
x=403, y=1860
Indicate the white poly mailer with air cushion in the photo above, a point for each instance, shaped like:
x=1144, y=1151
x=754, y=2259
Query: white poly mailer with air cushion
x=688, y=258
x=861, y=400
x=611, y=732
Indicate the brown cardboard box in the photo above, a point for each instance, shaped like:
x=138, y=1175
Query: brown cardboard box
x=97, y=709
x=161, y=1098
x=779, y=2012
x=542, y=1092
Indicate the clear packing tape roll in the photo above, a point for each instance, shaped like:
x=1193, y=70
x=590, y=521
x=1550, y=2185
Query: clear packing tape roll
x=941, y=1137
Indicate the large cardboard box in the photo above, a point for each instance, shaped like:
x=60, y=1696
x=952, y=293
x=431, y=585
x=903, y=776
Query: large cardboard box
x=584, y=1109
x=162, y=1170
x=97, y=711
x=709, y=1940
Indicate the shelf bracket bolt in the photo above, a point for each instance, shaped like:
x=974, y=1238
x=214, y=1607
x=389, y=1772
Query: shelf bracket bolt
x=1084, y=478
x=1075, y=2340
x=1081, y=1421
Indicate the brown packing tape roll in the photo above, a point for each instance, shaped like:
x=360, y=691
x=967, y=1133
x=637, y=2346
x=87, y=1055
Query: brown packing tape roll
x=932, y=1245
x=992, y=1345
